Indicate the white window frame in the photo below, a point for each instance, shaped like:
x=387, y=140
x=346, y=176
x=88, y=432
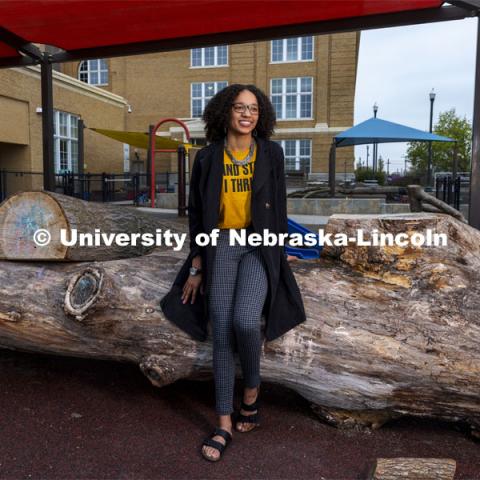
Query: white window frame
x=69, y=138
x=203, y=97
x=215, y=54
x=299, y=51
x=298, y=157
x=281, y=117
x=90, y=70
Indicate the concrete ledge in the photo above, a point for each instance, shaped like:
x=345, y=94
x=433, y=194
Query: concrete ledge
x=395, y=208
x=167, y=200
x=315, y=206
x=329, y=206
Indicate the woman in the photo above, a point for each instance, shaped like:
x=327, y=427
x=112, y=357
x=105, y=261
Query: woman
x=237, y=182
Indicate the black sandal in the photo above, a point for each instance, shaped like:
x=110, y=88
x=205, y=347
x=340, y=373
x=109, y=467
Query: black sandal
x=254, y=418
x=210, y=442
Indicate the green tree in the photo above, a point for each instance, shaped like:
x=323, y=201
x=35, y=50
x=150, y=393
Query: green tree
x=381, y=164
x=449, y=125
x=363, y=173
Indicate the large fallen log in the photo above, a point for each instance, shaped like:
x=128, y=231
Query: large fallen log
x=391, y=331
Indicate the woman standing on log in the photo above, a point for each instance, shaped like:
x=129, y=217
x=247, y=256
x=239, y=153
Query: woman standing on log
x=237, y=182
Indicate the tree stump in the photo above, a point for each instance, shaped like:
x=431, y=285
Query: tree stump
x=22, y=214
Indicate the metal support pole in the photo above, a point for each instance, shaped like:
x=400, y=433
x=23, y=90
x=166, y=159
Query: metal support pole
x=373, y=157
x=104, y=187
x=81, y=152
x=331, y=168
x=456, y=198
x=182, y=207
x=136, y=188
x=47, y=124
x=375, y=145
x=455, y=162
x=474, y=208
x=88, y=187
x=149, y=156
x=429, y=165
x=2, y=185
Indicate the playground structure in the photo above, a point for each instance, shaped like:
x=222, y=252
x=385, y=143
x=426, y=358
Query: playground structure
x=304, y=253
x=181, y=151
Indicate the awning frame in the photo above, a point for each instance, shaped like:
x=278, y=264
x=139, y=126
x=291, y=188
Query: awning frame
x=464, y=9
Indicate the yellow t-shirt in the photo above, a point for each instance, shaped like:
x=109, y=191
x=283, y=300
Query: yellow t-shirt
x=236, y=194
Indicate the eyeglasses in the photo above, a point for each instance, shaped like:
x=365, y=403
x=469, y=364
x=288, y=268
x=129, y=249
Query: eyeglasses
x=241, y=108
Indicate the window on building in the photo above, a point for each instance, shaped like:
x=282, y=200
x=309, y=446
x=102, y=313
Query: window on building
x=201, y=93
x=209, y=56
x=93, y=72
x=65, y=145
x=298, y=155
x=200, y=141
x=292, y=97
x=296, y=49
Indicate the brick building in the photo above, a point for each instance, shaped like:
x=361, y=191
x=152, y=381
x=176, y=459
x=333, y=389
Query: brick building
x=21, y=143
x=311, y=81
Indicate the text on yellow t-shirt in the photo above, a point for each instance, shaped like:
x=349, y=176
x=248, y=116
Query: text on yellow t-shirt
x=236, y=193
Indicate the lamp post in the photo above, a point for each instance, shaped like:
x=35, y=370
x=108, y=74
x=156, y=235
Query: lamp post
x=429, y=165
x=374, y=159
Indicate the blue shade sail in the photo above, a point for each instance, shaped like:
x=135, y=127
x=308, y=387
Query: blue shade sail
x=376, y=130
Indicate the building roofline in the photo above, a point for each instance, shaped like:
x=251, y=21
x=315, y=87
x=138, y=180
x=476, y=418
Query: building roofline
x=71, y=83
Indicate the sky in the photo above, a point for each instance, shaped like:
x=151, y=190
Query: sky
x=397, y=69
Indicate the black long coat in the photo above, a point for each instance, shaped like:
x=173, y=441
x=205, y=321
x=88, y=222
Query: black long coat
x=283, y=308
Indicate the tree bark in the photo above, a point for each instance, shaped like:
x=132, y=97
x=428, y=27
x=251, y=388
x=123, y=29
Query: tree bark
x=22, y=214
x=414, y=469
x=390, y=331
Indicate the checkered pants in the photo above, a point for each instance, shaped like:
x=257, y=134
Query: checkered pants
x=238, y=290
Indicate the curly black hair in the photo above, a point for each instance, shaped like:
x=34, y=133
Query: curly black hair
x=217, y=112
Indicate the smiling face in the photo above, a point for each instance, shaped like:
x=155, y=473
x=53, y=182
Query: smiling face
x=243, y=123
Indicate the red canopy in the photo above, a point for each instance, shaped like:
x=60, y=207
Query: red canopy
x=74, y=25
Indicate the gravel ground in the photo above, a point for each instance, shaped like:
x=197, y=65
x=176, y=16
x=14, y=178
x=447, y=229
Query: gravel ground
x=71, y=418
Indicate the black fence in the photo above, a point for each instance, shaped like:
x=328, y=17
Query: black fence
x=454, y=192
x=100, y=187
x=17, y=181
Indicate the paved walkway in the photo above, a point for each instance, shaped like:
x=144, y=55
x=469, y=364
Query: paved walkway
x=70, y=418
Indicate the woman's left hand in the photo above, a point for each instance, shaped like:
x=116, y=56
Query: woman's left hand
x=291, y=258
